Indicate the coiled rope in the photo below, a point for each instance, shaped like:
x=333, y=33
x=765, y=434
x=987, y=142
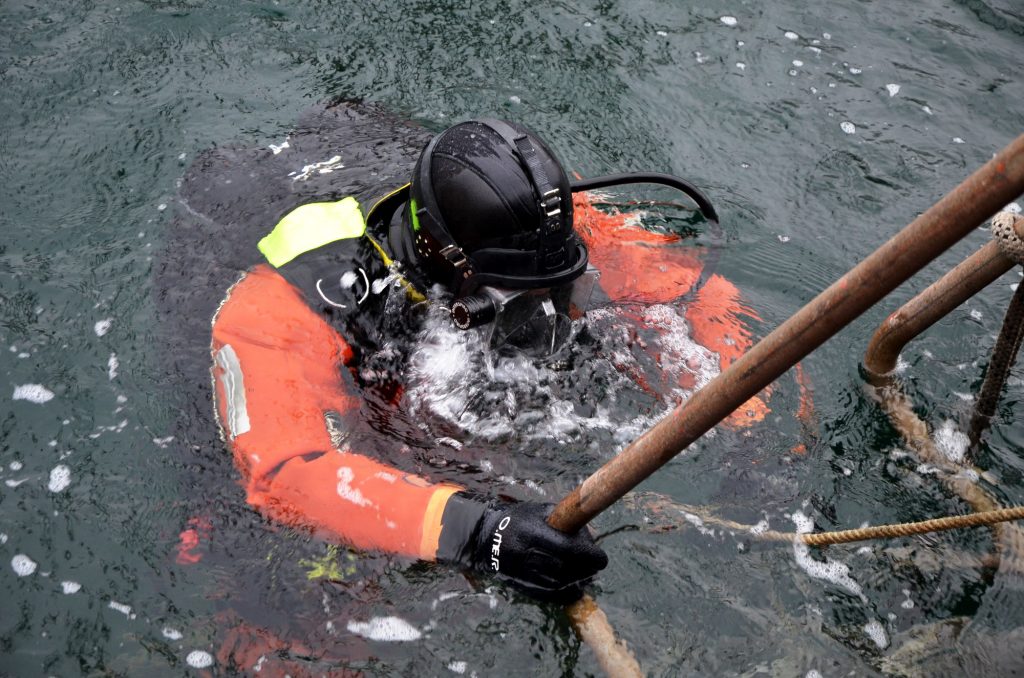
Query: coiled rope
x=1005, y=228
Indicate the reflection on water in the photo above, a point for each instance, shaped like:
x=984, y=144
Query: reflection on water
x=816, y=132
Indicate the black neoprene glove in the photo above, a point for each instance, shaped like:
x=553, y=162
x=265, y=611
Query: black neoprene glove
x=514, y=542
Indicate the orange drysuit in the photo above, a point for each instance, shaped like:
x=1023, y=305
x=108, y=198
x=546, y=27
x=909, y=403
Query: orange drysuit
x=286, y=348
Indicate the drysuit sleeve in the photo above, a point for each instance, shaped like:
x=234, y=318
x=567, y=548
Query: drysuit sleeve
x=283, y=397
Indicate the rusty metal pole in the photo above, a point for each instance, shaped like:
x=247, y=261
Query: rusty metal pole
x=995, y=184
x=960, y=284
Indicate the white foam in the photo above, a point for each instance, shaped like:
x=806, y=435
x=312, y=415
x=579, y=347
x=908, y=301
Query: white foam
x=70, y=587
x=740, y=65
x=22, y=565
x=15, y=465
x=797, y=63
x=34, y=393
x=876, y=632
x=697, y=522
x=828, y=570
x=893, y=89
x=951, y=442
x=322, y=167
x=515, y=99
x=1013, y=207
x=60, y=478
x=927, y=109
x=454, y=375
x=450, y=442
x=171, y=633
x=848, y=127
x=457, y=667
x=790, y=35
x=812, y=674
x=957, y=140
x=112, y=365
x=728, y=20
x=126, y=610
x=199, y=659
x=102, y=326
x=760, y=528
x=387, y=629
x=277, y=149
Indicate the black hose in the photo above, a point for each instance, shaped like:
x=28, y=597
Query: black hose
x=673, y=181
x=706, y=209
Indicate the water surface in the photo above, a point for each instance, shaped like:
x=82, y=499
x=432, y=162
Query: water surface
x=816, y=131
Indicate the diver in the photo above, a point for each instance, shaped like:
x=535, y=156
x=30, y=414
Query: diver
x=311, y=341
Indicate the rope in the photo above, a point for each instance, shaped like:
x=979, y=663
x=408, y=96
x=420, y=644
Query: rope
x=1003, y=356
x=907, y=529
x=1005, y=227
x=660, y=504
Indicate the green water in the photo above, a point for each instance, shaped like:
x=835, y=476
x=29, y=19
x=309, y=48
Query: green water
x=817, y=131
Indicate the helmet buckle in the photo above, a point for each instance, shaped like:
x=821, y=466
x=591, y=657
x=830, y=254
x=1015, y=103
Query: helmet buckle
x=455, y=256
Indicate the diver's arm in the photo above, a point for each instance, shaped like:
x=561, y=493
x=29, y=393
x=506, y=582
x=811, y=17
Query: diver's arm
x=281, y=393
x=283, y=402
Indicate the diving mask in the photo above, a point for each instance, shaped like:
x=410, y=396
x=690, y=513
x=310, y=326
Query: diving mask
x=535, y=321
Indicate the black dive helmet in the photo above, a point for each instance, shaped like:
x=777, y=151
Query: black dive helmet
x=491, y=205
x=489, y=209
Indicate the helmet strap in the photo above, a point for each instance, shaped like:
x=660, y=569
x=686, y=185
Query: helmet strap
x=551, y=254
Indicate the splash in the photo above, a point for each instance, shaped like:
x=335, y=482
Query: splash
x=876, y=632
x=60, y=478
x=831, y=571
x=454, y=376
x=34, y=393
x=22, y=565
x=386, y=629
x=126, y=610
x=951, y=442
